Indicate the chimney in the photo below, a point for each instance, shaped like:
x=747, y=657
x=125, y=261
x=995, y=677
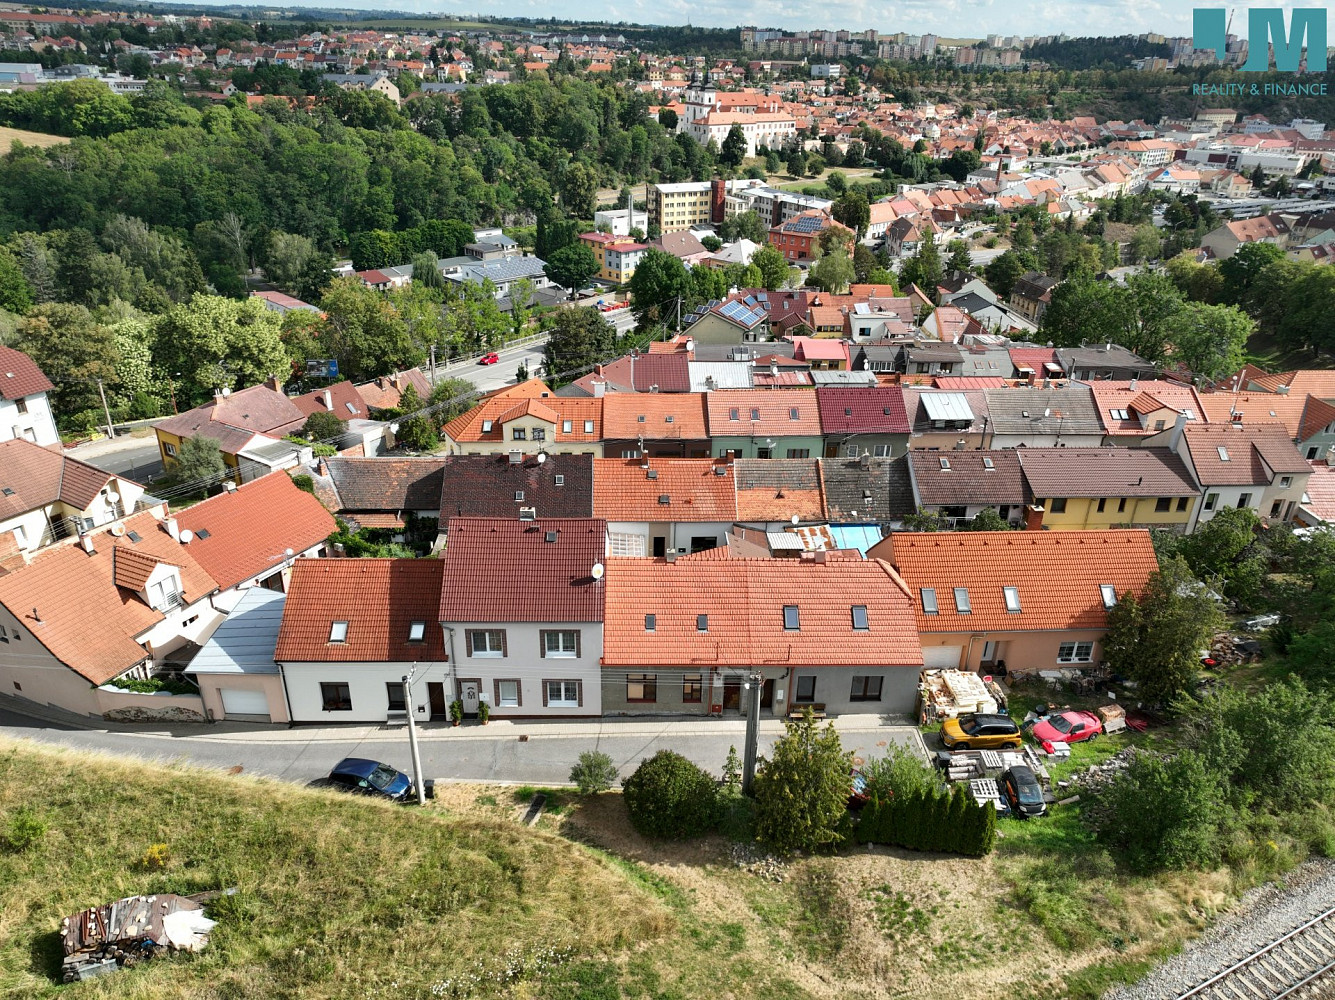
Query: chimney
x=1132, y=386
x=272, y=383
x=87, y=542
x=322, y=468
x=717, y=198
x=329, y=401
x=1179, y=425
x=173, y=528
x=1033, y=518
x=599, y=390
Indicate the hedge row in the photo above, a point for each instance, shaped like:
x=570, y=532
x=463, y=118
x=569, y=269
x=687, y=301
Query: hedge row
x=949, y=822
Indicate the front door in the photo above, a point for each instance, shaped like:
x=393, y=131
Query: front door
x=732, y=695
x=767, y=694
x=435, y=691
x=468, y=691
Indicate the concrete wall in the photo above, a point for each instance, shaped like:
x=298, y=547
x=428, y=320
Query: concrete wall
x=211, y=685
x=131, y=706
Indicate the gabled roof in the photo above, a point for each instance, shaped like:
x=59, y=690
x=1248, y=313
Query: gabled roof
x=650, y=372
x=623, y=490
x=493, y=486
x=954, y=478
x=484, y=421
x=506, y=570
x=1068, y=410
x=743, y=600
x=244, y=532
x=20, y=376
x=677, y=416
x=776, y=489
x=773, y=409
x=1106, y=472
x=1249, y=447
x=1110, y=396
x=259, y=409
x=383, y=393
x=1058, y=575
x=68, y=598
x=877, y=494
x=378, y=598
x=862, y=411
x=31, y=477
x=131, y=568
x=1302, y=415
x=347, y=402
x=387, y=484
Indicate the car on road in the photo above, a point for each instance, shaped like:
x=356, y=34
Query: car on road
x=1067, y=727
x=1022, y=792
x=361, y=776
x=980, y=732
x=489, y=359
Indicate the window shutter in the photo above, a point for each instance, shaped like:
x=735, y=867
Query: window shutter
x=579, y=693
x=542, y=643
x=468, y=641
x=544, y=694
x=577, y=644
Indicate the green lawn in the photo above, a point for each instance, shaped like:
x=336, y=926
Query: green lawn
x=1265, y=352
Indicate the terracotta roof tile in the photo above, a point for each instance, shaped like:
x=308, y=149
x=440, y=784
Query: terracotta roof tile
x=1268, y=407
x=772, y=410
x=132, y=568
x=32, y=477
x=378, y=598
x=258, y=409
x=655, y=416
x=1249, y=447
x=383, y=393
x=623, y=490
x=347, y=402
x=20, y=376
x=484, y=422
x=249, y=528
x=862, y=410
x=1058, y=575
x=777, y=489
x=743, y=600
x=506, y=570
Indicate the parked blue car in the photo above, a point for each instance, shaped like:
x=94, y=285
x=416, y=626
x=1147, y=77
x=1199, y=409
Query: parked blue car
x=370, y=777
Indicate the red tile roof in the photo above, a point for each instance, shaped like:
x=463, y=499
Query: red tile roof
x=1250, y=449
x=81, y=616
x=378, y=598
x=862, y=410
x=258, y=409
x=657, y=416
x=1058, y=575
x=250, y=528
x=32, y=476
x=624, y=491
x=383, y=393
x=776, y=489
x=20, y=376
x=744, y=601
x=505, y=570
x=670, y=372
x=773, y=408
x=513, y=402
x=348, y=403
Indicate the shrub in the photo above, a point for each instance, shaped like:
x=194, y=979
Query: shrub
x=594, y=772
x=155, y=857
x=802, y=790
x=669, y=797
x=26, y=828
x=153, y=685
x=1164, y=812
x=304, y=483
x=732, y=769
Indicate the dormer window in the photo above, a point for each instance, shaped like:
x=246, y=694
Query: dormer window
x=338, y=632
x=417, y=632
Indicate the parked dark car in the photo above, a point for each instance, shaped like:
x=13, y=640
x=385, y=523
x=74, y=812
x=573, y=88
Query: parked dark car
x=370, y=777
x=1022, y=791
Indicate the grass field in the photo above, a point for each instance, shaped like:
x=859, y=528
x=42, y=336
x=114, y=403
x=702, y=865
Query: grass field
x=345, y=897
x=8, y=136
x=1267, y=353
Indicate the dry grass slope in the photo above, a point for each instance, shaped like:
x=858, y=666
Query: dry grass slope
x=9, y=136
x=338, y=897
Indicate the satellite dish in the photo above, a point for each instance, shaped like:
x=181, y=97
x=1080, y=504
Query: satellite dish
x=113, y=497
x=542, y=457
x=597, y=571
x=118, y=530
x=288, y=553
x=795, y=519
x=186, y=536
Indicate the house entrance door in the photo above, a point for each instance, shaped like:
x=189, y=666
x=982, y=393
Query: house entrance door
x=468, y=691
x=767, y=693
x=435, y=691
x=732, y=695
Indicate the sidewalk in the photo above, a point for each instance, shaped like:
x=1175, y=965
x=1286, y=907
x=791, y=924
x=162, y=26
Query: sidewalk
x=497, y=729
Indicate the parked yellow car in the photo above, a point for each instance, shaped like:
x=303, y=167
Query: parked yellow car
x=981, y=732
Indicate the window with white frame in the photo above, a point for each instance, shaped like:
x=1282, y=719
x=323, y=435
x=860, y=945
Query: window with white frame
x=1109, y=594
x=1012, y=596
x=962, y=600
x=417, y=631
x=507, y=694
x=1075, y=652
x=164, y=594
x=487, y=642
x=562, y=694
x=560, y=644
x=338, y=631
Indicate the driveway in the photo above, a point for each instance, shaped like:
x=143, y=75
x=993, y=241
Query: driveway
x=527, y=752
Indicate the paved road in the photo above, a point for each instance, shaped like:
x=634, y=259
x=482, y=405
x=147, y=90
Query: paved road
x=468, y=753
x=501, y=374
x=981, y=258
x=137, y=458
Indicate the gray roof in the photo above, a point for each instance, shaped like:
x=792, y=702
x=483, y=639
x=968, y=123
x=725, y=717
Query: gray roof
x=724, y=352
x=726, y=374
x=880, y=493
x=819, y=378
x=244, y=642
x=1033, y=410
x=1100, y=355
x=946, y=406
x=506, y=269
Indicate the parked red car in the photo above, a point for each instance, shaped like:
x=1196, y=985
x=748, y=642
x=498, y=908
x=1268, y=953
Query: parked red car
x=489, y=359
x=1068, y=727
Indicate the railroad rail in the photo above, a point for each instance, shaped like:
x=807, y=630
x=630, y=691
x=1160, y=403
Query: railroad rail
x=1297, y=966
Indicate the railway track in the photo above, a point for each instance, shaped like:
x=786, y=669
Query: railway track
x=1298, y=966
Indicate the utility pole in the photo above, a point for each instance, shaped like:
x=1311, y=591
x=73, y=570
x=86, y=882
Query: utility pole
x=753, y=688
x=111, y=430
x=412, y=739
x=433, y=364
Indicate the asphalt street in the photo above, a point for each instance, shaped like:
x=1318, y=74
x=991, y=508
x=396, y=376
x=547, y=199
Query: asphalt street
x=501, y=374
x=136, y=458
x=520, y=752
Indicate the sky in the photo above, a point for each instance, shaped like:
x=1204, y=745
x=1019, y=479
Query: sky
x=947, y=18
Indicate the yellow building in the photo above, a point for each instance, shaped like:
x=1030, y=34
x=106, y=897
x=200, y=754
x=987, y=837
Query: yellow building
x=1096, y=488
x=245, y=421
x=617, y=256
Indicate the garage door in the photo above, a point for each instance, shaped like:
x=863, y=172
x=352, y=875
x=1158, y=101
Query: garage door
x=947, y=657
x=238, y=702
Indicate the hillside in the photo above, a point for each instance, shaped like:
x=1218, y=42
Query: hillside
x=9, y=136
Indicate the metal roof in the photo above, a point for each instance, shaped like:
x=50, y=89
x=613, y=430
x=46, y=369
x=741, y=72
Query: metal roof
x=947, y=406
x=244, y=643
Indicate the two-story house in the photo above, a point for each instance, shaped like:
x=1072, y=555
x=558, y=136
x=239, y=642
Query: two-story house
x=1309, y=420
x=25, y=411
x=858, y=420
x=959, y=485
x=522, y=603
x=1136, y=409
x=528, y=419
x=764, y=423
x=1033, y=417
x=655, y=424
x=248, y=426
x=942, y=420
x=991, y=601
x=661, y=507
x=1092, y=488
